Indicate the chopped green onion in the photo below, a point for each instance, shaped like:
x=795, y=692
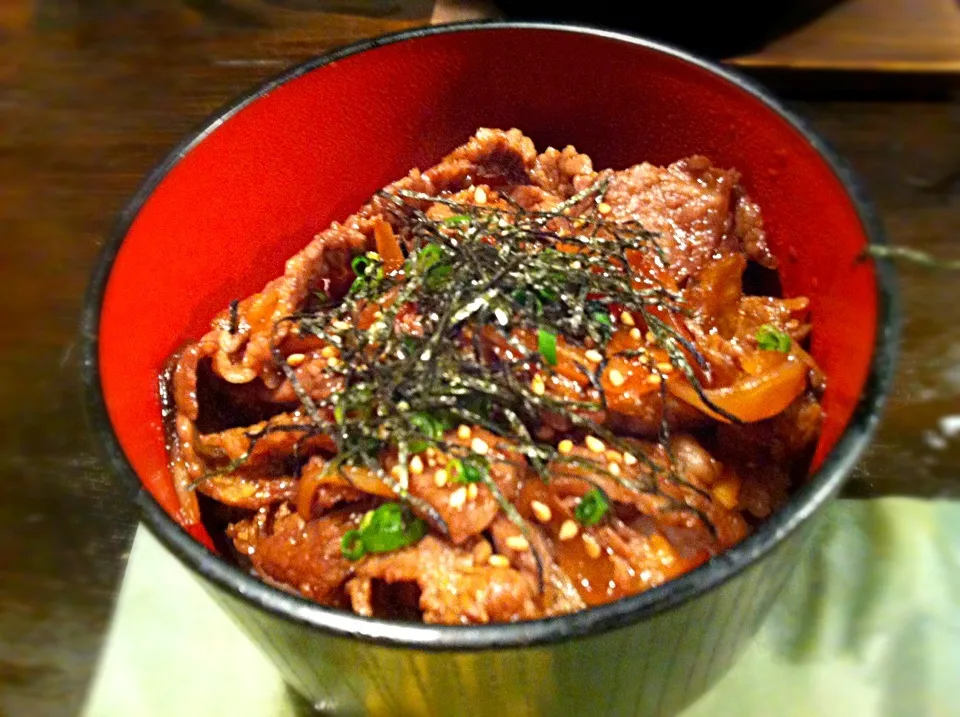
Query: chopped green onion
x=428, y=425
x=392, y=527
x=547, y=346
x=770, y=338
x=456, y=219
x=437, y=276
x=430, y=428
x=366, y=520
x=592, y=507
x=602, y=317
x=548, y=294
x=429, y=255
x=523, y=297
x=351, y=545
x=359, y=265
x=388, y=528
x=469, y=470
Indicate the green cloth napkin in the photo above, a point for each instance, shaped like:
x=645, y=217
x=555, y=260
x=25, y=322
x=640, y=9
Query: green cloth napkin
x=869, y=625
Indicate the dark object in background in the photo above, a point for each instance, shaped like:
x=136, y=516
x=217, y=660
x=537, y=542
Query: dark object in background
x=712, y=28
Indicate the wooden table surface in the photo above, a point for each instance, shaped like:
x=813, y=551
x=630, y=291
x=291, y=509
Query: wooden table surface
x=94, y=92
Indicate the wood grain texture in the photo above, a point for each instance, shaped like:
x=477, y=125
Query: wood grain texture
x=878, y=35
x=859, y=35
x=94, y=92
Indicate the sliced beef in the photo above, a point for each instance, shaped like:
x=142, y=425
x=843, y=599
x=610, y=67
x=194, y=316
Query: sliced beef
x=559, y=595
x=563, y=172
x=676, y=496
x=697, y=209
x=763, y=454
x=454, y=587
x=304, y=556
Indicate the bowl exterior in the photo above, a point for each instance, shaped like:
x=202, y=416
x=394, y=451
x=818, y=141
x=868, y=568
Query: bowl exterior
x=650, y=668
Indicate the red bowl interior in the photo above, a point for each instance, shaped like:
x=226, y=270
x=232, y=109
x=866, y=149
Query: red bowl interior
x=259, y=185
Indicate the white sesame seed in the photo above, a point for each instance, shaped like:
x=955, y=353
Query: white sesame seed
x=594, y=356
x=472, y=491
x=333, y=362
x=537, y=385
x=416, y=465
x=517, y=542
x=479, y=446
x=377, y=314
x=613, y=468
x=635, y=333
x=654, y=379
x=395, y=471
x=464, y=432
x=569, y=530
x=617, y=378
x=665, y=366
x=565, y=446
x=440, y=478
x=612, y=455
x=541, y=511
x=650, y=337
x=595, y=444
x=329, y=351
x=604, y=208
x=458, y=497
x=499, y=561
x=629, y=459
x=591, y=545
x=295, y=360
x=627, y=318
x=480, y=196
x=576, y=266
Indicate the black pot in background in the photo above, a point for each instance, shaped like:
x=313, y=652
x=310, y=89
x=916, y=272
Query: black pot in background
x=708, y=27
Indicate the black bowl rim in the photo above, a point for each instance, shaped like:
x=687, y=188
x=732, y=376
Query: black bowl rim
x=803, y=505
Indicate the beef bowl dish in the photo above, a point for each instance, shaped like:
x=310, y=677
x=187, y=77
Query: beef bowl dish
x=508, y=387
x=465, y=390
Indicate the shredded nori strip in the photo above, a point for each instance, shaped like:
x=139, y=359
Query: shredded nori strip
x=480, y=275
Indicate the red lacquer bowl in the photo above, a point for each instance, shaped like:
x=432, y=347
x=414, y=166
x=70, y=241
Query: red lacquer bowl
x=219, y=216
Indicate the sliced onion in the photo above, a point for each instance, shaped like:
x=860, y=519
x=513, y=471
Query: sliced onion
x=315, y=475
x=753, y=398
